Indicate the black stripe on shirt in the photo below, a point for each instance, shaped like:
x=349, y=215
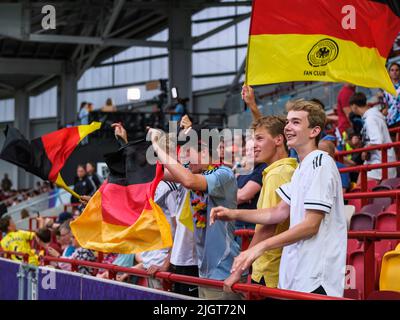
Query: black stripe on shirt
x=318, y=204
x=284, y=193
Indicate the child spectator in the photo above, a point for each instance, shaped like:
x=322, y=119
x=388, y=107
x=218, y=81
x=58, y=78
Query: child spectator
x=17, y=240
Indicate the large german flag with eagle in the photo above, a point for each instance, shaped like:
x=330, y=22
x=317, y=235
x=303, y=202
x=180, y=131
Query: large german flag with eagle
x=122, y=216
x=322, y=40
x=45, y=156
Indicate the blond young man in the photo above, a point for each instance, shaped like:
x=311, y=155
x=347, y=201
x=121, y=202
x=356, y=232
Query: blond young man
x=314, y=255
x=270, y=148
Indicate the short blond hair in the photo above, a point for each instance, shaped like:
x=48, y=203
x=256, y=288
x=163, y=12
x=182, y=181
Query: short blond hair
x=275, y=125
x=316, y=115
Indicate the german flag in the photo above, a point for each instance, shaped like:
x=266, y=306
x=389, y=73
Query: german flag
x=45, y=156
x=322, y=40
x=122, y=216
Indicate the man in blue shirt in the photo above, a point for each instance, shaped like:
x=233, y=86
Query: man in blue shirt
x=211, y=185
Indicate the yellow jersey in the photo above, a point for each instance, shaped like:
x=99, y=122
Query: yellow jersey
x=19, y=241
x=275, y=175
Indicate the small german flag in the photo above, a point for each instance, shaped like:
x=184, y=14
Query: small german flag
x=45, y=156
x=323, y=40
x=122, y=216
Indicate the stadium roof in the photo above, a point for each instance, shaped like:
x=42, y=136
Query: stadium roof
x=87, y=32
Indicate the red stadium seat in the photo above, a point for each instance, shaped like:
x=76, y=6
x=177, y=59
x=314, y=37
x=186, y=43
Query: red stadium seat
x=393, y=183
x=356, y=203
x=386, y=221
x=352, y=246
x=357, y=261
x=384, y=295
x=392, y=207
x=384, y=202
x=362, y=221
x=371, y=184
x=373, y=209
x=352, y=294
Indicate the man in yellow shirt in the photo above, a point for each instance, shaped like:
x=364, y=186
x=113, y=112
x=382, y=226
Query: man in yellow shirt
x=269, y=147
x=17, y=240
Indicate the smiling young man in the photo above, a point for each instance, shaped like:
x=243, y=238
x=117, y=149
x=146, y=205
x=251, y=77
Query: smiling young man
x=314, y=246
x=270, y=148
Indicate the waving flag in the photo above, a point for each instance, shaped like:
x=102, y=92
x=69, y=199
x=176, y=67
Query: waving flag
x=46, y=155
x=324, y=40
x=122, y=216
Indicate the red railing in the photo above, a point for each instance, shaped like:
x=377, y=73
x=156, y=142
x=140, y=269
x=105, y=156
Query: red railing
x=383, y=148
x=9, y=254
x=251, y=290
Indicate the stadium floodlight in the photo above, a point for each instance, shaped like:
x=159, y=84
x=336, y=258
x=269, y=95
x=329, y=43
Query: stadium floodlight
x=133, y=94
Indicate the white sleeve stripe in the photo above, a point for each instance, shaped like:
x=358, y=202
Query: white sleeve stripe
x=283, y=192
x=316, y=207
x=318, y=204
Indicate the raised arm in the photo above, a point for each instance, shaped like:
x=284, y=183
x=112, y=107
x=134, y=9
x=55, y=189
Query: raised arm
x=250, y=100
x=261, y=216
x=304, y=230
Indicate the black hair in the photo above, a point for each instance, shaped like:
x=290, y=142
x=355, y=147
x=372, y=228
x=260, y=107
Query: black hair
x=5, y=223
x=359, y=99
x=394, y=64
x=44, y=235
x=319, y=102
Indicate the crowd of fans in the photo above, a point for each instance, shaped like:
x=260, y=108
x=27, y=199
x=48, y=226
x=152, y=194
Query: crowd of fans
x=285, y=184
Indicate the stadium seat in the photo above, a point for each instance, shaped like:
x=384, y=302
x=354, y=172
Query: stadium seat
x=371, y=184
x=386, y=221
x=352, y=246
x=390, y=274
x=392, y=207
x=349, y=211
x=373, y=209
x=384, y=295
x=393, y=183
x=362, y=221
x=357, y=261
x=356, y=203
x=384, y=202
x=352, y=294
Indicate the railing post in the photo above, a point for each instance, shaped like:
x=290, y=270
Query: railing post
x=384, y=160
x=398, y=212
x=369, y=267
x=364, y=186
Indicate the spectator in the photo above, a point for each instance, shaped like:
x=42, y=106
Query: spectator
x=353, y=142
x=17, y=240
x=24, y=214
x=83, y=254
x=6, y=183
x=329, y=147
x=393, y=102
x=314, y=246
x=183, y=253
x=94, y=178
x=179, y=109
x=83, y=115
x=343, y=108
x=210, y=186
x=44, y=239
x=249, y=186
x=109, y=106
x=270, y=147
x=82, y=185
x=374, y=132
x=159, y=260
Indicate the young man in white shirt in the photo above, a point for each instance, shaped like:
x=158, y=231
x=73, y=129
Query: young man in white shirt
x=314, y=246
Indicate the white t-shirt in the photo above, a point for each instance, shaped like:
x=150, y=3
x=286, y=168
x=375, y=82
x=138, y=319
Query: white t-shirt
x=375, y=131
x=165, y=197
x=320, y=260
x=184, y=249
